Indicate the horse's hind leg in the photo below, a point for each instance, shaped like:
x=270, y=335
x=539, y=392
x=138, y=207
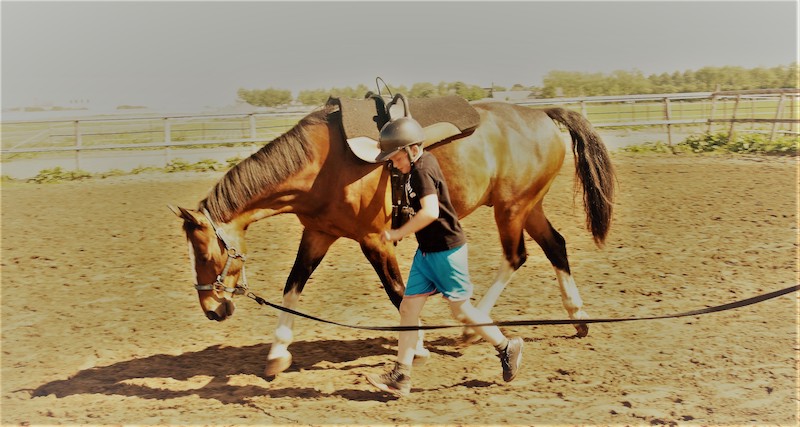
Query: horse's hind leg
x=510, y=221
x=555, y=248
x=313, y=247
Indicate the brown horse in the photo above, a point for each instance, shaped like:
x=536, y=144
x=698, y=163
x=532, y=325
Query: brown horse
x=508, y=162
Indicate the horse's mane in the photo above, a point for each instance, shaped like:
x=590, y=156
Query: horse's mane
x=264, y=170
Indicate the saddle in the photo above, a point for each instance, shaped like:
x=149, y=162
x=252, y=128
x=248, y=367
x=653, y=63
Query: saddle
x=443, y=119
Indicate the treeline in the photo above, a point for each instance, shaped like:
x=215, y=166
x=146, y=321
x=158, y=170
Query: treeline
x=706, y=79
x=562, y=83
x=272, y=97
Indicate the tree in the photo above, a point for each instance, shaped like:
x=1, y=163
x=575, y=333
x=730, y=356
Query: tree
x=269, y=97
x=313, y=97
x=565, y=83
x=468, y=92
x=423, y=90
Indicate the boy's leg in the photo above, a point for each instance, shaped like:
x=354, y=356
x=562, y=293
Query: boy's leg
x=410, y=309
x=397, y=380
x=465, y=312
x=509, y=351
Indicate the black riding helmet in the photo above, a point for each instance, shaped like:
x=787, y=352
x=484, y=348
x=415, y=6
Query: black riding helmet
x=399, y=133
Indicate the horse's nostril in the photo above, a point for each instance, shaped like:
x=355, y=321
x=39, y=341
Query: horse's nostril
x=213, y=316
x=230, y=307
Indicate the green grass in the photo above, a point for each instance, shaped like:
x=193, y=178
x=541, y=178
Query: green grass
x=750, y=143
x=58, y=174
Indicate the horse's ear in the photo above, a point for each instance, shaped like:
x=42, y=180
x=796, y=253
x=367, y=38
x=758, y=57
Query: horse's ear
x=189, y=215
x=174, y=210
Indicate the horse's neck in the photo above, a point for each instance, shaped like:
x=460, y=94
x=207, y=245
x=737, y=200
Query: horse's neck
x=290, y=197
x=306, y=192
x=294, y=195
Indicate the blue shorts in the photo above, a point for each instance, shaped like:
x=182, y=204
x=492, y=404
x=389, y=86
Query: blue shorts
x=446, y=272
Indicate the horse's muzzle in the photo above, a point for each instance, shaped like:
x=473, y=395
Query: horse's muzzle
x=223, y=311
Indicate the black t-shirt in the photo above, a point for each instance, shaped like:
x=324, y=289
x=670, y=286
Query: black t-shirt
x=445, y=232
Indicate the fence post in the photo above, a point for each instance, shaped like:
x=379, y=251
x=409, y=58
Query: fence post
x=167, y=140
x=733, y=118
x=711, y=115
x=778, y=114
x=668, y=116
x=78, y=144
x=252, y=126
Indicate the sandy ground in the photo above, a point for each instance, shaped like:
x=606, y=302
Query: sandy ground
x=100, y=324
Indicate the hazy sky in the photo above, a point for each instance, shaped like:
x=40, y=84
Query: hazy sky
x=193, y=54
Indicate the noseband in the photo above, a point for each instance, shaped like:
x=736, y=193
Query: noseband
x=233, y=253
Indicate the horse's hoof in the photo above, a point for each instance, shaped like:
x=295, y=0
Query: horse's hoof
x=278, y=365
x=421, y=356
x=582, y=330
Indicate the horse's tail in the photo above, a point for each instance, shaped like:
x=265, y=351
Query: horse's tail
x=592, y=168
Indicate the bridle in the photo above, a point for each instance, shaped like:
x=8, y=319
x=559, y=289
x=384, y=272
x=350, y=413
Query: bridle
x=233, y=253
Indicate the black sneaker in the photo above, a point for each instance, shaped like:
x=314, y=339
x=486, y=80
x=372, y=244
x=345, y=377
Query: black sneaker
x=394, y=382
x=511, y=359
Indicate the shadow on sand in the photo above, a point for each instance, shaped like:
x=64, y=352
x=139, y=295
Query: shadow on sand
x=220, y=363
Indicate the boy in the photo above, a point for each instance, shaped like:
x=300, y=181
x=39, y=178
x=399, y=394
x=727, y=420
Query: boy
x=439, y=266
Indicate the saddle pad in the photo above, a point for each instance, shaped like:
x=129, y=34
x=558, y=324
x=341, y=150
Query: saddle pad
x=441, y=118
x=361, y=117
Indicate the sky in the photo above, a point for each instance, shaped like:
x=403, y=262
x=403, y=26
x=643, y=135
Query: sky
x=192, y=55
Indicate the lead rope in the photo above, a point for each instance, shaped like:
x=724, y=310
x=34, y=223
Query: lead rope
x=715, y=309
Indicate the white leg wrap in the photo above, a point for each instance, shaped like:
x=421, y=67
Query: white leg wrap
x=283, y=333
x=570, y=296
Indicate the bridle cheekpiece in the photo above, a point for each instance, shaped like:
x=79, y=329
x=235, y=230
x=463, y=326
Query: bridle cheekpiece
x=233, y=253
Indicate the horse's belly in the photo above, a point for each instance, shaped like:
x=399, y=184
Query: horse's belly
x=468, y=171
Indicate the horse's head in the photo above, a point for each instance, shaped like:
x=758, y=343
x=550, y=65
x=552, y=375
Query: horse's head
x=216, y=252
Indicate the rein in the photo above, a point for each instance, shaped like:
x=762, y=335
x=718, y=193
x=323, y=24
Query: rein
x=715, y=309
x=401, y=209
x=233, y=253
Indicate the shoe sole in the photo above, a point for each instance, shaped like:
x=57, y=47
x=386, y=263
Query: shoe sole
x=385, y=388
x=517, y=362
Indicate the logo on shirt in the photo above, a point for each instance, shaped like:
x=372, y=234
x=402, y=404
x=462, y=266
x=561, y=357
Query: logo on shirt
x=410, y=191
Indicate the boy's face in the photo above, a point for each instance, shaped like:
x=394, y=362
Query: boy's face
x=401, y=161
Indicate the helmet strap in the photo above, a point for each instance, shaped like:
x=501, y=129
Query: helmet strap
x=411, y=157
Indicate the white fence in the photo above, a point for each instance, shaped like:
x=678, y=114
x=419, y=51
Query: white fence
x=778, y=108
x=103, y=143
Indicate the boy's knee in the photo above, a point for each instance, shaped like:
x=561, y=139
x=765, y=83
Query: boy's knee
x=411, y=307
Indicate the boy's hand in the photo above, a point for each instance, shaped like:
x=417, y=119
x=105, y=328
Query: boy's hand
x=390, y=236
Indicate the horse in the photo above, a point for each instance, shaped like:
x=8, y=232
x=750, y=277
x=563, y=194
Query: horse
x=508, y=163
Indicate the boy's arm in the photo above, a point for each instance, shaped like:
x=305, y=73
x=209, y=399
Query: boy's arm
x=425, y=216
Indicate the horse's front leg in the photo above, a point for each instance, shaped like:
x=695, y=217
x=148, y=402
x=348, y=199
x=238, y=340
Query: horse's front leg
x=313, y=247
x=383, y=260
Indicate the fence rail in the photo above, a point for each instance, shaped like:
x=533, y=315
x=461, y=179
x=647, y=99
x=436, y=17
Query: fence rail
x=769, y=111
x=768, y=106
